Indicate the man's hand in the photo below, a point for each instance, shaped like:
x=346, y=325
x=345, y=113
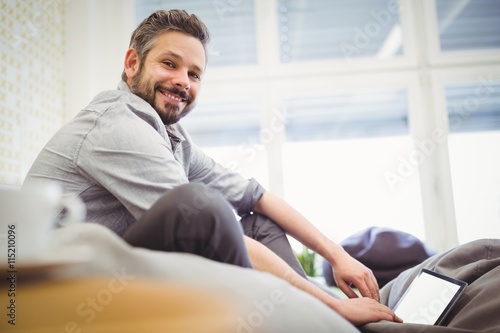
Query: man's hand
x=364, y=310
x=358, y=311
x=349, y=272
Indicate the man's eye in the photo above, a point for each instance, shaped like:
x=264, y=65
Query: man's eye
x=169, y=64
x=195, y=76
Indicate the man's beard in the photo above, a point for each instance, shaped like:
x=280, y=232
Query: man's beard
x=169, y=113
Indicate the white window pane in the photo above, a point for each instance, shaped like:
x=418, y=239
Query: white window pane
x=474, y=146
x=468, y=25
x=475, y=171
x=339, y=152
x=229, y=131
x=231, y=25
x=340, y=185
x=343, y=29
x=250, y=160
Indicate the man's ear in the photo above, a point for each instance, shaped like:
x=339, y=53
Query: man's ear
x=131, y=65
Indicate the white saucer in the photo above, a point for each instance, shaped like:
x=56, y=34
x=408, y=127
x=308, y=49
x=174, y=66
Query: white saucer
x=45, y=263
x=36, y=267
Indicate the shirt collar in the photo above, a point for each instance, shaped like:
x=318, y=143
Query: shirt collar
x=122, y=85
x=175, y=135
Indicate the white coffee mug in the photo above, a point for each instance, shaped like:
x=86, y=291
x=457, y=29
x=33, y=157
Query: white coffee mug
x=26, y=218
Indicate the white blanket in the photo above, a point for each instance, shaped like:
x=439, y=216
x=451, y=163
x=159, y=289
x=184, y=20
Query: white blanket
x=279, y=306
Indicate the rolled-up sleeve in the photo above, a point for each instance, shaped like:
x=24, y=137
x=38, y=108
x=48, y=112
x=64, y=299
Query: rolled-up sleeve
x=253, y=193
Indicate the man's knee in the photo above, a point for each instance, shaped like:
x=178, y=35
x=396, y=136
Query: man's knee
x=196, y=200
x=195, y=219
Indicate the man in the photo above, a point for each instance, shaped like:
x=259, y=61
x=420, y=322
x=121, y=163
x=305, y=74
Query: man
x=139, y=173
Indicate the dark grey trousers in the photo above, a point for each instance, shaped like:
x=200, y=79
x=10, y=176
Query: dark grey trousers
x=194, y=219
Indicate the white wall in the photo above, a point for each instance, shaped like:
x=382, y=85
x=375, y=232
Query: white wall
x=31, y=82
x=97, y=34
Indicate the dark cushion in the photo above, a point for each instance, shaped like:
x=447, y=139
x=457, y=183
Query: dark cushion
x=387, y=252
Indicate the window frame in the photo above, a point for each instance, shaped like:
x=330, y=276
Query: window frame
x=437, y=58
x=421, y=73
x=423, y=70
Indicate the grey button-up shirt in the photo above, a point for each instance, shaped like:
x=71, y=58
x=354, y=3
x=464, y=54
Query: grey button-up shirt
x=119, y=158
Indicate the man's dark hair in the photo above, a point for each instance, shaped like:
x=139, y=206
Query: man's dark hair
x=145, y=35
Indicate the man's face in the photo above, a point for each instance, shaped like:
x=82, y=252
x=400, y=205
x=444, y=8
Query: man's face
x=171, y=75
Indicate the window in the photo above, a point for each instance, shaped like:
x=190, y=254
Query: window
x=229, y=132
x=351, y=114
x=359, y=86
x=468, y=25
x=475, y=106
x=231, y=24
x=474, y=118
x=223, y=123
x=324, y=29
x=339, y=150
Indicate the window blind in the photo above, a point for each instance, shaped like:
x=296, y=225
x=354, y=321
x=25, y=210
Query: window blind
x=473, y=106
x=347, y=115
x=345, y=29
x=468, y=25
x=231, y=25
x=224, y=123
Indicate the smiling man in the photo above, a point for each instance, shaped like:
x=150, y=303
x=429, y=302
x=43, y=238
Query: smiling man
x=139, y=173
x=169, y=78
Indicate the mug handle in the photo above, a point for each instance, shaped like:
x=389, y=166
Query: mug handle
x=75, y=210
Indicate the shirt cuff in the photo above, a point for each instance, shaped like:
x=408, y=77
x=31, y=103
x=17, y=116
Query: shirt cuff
x=253, y=193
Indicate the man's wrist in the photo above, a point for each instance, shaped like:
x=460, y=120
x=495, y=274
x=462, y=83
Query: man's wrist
x=333, y=252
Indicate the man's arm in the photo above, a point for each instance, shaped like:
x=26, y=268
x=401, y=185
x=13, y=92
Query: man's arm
x=348, y=271
x=358, y=311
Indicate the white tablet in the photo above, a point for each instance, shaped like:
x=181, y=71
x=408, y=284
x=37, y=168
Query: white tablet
x=429, y=298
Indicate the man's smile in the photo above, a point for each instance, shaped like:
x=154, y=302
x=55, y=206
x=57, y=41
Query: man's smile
x=172, y=98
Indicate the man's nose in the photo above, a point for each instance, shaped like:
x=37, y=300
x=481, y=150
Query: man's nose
x=181, y=81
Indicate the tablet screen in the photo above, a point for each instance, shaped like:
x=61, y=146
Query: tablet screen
x=429, y=298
